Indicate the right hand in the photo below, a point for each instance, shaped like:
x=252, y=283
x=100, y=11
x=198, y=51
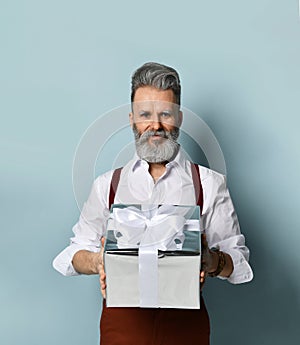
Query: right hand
x=102, y=271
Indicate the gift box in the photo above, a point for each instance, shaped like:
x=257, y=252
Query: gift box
x=152, y=256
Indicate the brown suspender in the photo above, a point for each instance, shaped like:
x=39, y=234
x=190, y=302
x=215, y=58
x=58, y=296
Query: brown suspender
x=114, y=185
x=197, y=185
x=196, y=180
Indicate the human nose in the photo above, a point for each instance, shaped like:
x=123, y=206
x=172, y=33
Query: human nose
x=156, y=122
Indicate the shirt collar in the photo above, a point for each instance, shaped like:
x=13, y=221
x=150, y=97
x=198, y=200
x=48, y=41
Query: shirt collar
x=179, y=160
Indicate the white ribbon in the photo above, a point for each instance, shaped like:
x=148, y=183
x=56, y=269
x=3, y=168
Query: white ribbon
x=135, y=228
x=150, y=230
x=148, y=277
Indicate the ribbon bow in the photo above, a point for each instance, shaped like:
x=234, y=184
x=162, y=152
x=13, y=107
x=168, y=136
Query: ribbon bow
x=159, y=228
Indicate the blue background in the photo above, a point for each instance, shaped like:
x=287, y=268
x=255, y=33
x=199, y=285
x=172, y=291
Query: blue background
x=64, y=63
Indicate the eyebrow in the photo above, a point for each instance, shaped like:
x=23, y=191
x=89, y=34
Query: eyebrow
x=166, y=111
x=169, y=111
x=143, y=112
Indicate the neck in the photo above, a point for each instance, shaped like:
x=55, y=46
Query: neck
x=156, y=170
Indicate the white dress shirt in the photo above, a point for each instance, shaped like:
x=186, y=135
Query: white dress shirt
x=175, y=186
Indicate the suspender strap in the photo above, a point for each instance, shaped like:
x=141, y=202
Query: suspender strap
x=114, y=185
x=197, y=185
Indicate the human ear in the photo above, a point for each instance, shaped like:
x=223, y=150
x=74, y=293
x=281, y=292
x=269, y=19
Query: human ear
x=131, y=119
x=180, y=118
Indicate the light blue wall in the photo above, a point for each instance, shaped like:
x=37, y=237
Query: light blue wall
x=64, y=63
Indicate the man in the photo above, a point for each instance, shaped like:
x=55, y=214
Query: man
x=159, y=174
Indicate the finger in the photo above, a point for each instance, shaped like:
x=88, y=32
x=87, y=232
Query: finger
x=102, y=241
x=202, y=282
x=102, y=272
x=102, y=277
x=103, y=286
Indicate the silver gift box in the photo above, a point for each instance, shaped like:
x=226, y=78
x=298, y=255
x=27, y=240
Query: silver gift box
x=167, y=279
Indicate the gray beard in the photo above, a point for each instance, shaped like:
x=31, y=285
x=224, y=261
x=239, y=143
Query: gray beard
x=156, y=152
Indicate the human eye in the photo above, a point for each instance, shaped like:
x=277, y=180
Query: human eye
x=166, y=114
x=144, y=115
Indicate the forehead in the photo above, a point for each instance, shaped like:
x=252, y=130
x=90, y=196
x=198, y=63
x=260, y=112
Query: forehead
x=149, y=97
x=150, y=93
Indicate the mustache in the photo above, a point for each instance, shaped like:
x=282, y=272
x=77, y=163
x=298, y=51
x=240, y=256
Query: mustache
x=160, y=132
x=142, y=137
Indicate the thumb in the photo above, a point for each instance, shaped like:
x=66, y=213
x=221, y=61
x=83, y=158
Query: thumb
x=102, y=241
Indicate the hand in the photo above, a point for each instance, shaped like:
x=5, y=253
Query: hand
x=203, y=273
x=102, y=272
x=209, y=259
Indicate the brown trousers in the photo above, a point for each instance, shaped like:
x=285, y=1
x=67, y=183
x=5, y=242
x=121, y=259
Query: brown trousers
x=151, y=326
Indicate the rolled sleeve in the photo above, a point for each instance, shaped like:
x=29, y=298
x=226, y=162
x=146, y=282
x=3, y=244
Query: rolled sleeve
x=242, y=272
x=222, y=229
x=235, y=247
x=63, y=261
x=89, y=229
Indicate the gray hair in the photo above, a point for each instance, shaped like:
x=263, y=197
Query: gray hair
x=156, y=75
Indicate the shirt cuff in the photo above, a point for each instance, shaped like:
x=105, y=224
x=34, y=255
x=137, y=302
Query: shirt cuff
x=242, y=271
x=63, y=261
